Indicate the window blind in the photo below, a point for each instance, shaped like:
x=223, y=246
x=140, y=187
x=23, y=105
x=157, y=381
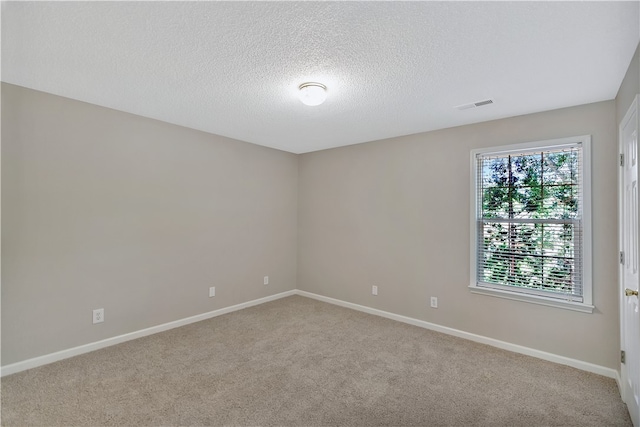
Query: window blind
x=530, y=221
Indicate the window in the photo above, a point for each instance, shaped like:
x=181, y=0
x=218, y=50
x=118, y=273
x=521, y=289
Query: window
x=531, y=222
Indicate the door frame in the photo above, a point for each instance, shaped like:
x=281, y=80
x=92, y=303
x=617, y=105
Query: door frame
x=622, y=380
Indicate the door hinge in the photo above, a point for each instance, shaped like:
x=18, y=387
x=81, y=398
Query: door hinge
x=621, y=257
x=622, y=356
x=621, y=159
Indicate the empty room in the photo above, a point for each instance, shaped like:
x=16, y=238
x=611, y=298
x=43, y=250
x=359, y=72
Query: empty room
x=320, y=213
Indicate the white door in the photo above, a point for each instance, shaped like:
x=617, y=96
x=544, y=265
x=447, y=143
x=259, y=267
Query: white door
x=629, y=234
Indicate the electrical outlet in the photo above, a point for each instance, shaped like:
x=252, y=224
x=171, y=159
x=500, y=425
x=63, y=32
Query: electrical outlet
x=98, y=315
x=374, y=290
x=434, y=302
x=212, y=291
x=266, y=280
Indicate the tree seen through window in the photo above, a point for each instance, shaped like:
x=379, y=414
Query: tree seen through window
x=530, y=220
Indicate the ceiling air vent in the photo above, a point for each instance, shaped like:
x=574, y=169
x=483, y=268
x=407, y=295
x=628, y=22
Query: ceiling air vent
x=474, y=104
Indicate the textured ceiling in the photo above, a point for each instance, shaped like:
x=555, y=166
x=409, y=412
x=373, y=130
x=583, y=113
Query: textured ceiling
x=391, y=68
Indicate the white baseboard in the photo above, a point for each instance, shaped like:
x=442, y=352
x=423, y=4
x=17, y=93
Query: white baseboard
x=579, y=364
x=86, y=348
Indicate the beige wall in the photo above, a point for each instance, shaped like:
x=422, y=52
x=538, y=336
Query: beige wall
x=106, y=209
x=395, y=214
x=629, y=88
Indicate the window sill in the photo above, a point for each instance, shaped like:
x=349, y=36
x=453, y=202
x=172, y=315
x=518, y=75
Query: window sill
x=534, y=299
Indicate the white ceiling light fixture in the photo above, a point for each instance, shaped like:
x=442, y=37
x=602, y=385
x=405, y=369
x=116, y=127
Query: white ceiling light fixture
x=312, y=94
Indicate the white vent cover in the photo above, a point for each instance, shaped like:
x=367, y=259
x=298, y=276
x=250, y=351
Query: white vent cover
x=474, y=104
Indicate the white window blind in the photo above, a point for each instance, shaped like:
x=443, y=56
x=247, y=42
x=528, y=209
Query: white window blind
x=529, y=221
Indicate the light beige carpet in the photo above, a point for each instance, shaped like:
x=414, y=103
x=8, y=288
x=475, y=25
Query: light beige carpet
x=300, y=362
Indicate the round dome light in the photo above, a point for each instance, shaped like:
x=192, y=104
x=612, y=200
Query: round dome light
x=312, y=93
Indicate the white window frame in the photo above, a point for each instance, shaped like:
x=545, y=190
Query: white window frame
x=586, y=305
